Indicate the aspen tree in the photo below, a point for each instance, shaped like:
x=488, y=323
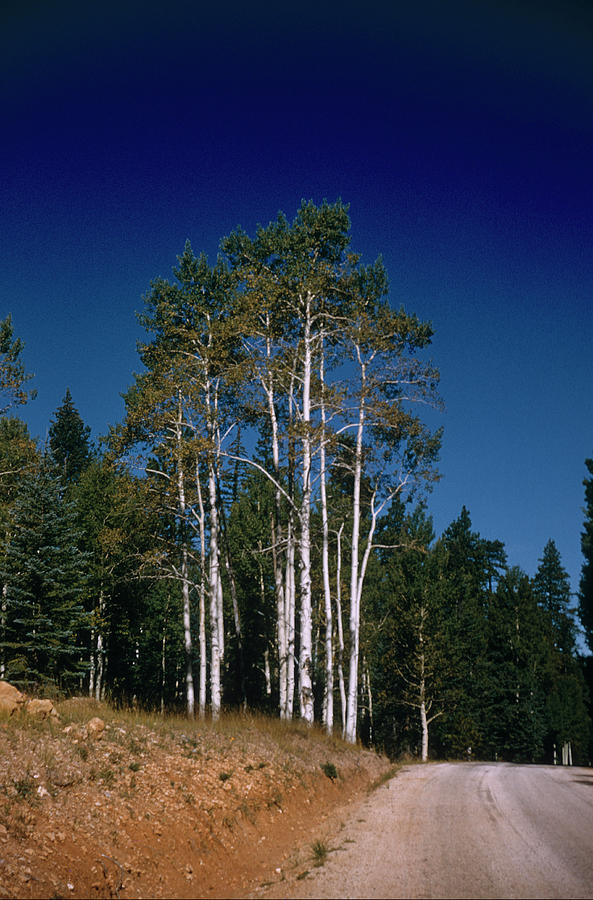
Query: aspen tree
x=295, y=269
x=180, y=407
x=396, y=450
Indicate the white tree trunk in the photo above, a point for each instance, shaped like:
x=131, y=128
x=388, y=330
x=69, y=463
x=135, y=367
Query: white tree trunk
x=305, y=659
x=352, y=702
x=290, y=594
x=163, y=668
x=187, y=636
x=215, y=629
x=202, y=600
x=340, y=629
x=328, y=699
x=99, y=689
x=3, y=627
x=424, y=727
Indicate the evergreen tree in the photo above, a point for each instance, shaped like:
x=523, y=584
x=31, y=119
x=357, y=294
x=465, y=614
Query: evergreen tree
x=586, y=585
x=408, y=640
x=563, y=683
x=69, y=440
x=551, y=586
x=44, y=572
x=513, y=686
x=466, y=577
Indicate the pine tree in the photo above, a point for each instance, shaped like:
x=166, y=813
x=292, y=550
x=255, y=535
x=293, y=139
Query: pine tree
x=513, y=686
x=551, y=586
x=563, y=681
x=69, y=440
x=44, y=572
x=585, y=609
x=465, y=600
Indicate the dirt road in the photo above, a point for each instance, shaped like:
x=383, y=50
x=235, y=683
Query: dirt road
x=462, y=830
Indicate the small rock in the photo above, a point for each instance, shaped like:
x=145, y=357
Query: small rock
x=96, y=727
x=11, y=699
x=41, y=709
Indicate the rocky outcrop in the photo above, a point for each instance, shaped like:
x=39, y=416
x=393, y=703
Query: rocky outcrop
x=94, y=728
x=41, y=709
x=11, y=699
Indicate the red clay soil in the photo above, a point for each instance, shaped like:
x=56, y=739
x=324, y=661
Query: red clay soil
x=157, y=811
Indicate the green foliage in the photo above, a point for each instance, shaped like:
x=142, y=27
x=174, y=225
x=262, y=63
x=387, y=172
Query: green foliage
x=106, y=577
x=69, y=441
x=329, y=770
x=44, y=573
x=320, y=852
x=12, y=371
x=585, y=609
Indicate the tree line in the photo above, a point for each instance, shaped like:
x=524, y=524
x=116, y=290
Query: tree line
x=255, y=532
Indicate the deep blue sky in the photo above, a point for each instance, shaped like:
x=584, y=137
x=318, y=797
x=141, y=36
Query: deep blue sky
x=461, y=135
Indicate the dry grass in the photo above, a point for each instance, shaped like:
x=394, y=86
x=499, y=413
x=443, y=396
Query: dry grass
x=157, y=781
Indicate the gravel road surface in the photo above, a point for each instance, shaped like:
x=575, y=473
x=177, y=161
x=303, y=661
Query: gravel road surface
x=462, y=830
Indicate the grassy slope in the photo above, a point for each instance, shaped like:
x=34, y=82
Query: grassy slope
x=164, y=806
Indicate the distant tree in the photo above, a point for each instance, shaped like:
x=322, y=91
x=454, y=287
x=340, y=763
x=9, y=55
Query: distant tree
x=18, y=455
x=69, y=440
x=116, y=527
x=564, y=687
x=467, y=574
x=410, y=659
x=44, y=571
x=513, y=686
x=585, y=609
x=551, y=586
x=12, y=372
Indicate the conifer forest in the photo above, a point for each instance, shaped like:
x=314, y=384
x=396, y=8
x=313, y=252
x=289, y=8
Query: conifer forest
x=256, y=532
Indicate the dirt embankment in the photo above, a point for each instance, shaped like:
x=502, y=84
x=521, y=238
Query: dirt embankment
x=159, y=807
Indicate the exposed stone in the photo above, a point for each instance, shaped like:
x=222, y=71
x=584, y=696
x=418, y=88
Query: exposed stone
x=41, y=709
x=11, y=699
x=76, y=732
x=96, y=727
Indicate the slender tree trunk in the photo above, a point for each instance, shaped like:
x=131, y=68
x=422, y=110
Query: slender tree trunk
x=189, y=675
x=202, y=597
x=187, y=636
x=215, y=629
x=3, y=627
x=92, y=664
x=163, y=668
x=290, y=578
x=267, y=674
x=281, y=624
x=290, y=616
x=268, y=384
x=305, y=658
x=328, y=700
x=424, y=727
x=352, y=710
x=369, y=691
x=100, y=653
x=340, y=628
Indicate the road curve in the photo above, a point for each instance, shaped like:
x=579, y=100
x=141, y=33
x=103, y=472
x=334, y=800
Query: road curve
x=463, y=830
